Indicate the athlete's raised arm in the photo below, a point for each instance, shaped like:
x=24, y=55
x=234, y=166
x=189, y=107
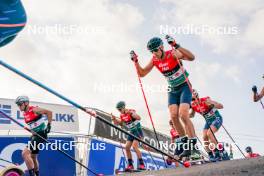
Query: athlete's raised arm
x=135, y=116
x=184, y=54
x=214, y=103
x=180, y=52
x=256, y=96
x=116, y=120
x=141, y=71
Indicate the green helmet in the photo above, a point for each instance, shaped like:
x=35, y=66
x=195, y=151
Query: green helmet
x=21, y=99
x=120, y=105
x=154, y=43
x=248, y=149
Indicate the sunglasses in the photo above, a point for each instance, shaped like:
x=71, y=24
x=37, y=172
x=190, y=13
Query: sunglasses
x=20, y=104
x=155, y=50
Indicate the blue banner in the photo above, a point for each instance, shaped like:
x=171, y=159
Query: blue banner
x=52, y=163
x=105, y=158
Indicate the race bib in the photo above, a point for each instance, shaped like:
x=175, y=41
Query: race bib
x=175, y=75
x=37, y=124
x=211, y=114
x=132, y=124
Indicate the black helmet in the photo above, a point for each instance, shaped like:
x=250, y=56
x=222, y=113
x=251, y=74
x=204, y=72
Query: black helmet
x=154, y=43
x=120, y=105
x=248, y=149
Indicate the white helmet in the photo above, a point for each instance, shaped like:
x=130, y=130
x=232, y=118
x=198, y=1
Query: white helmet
x=21, y=99
x=195, y=93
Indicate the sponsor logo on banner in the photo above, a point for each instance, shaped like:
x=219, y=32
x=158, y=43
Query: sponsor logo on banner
x=7, y=154
x=121, y=161
x=113, y=158
x=6, y=109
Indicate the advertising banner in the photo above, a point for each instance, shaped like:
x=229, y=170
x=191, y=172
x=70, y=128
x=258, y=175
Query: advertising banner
x=65, y=118
x=105, y=158
x=52, y=162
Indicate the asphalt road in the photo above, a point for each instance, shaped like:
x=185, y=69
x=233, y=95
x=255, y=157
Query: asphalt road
x=241, y=167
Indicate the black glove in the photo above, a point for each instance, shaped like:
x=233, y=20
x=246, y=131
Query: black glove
x=254, y=89
x=48, y=128
x=133, y=56
x=171, y=41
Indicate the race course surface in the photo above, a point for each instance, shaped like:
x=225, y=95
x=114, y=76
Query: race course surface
x=241, y=167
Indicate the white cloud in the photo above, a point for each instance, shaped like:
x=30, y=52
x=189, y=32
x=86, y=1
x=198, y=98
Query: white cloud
x=203, y=73
x=234, y=72
x=244, y=16
x=254, y=32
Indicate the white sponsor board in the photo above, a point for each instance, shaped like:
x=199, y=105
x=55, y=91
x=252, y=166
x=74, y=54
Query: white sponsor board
x=65, y=118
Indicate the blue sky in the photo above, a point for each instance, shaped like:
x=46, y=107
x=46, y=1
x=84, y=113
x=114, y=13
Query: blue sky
x=75, y=63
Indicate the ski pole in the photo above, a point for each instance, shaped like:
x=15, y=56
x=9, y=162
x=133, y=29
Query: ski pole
x=147, y=106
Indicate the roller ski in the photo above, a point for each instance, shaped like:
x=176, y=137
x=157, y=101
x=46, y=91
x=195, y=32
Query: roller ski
x=195, y=158
x=119, y=172
x=130, y=169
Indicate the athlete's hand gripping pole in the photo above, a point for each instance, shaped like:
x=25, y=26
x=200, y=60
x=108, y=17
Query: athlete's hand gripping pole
x=172, y=42
x=255, y=91
x=133, y=56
